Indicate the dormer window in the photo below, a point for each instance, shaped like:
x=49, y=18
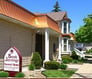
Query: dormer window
x=65, y=27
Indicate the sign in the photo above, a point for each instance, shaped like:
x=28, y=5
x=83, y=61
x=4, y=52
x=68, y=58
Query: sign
x=13, y=60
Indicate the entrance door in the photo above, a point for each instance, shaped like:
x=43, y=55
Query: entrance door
x=38, y=45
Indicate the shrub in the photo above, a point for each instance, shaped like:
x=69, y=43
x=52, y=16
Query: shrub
x=4, y=74
x=74, y=55
x=20, y=74
x=51, y=65
x=63, y=66
x=36, y=60
x=89, y=51
x=75, y=61
x=31, y=67
x=66, y=59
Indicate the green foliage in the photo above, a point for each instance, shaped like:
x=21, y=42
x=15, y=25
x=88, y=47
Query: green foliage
x=66, y=62
x=79, y=61
x=20, y=74
x=4, y=74
x=56, y=7
x=89, y=51
x=58, y=73
x=74, y=55
x=63, y=66
x=31, y=67
x=83, y=34
x=66, y=59
x=75, y=61
x=51, y=65
x=36, y=60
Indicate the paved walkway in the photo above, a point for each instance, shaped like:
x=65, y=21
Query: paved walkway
x=32, y=74
x=85, y=71
x=74, y=66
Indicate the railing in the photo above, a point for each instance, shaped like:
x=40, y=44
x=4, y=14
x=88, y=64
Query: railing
x=79, y=53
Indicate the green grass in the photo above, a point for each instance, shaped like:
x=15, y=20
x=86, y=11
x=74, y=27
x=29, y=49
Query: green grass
x=58, y=73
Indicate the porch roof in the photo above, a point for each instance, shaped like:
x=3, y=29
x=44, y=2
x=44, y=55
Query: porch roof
x=43, y=21
x=71, y=35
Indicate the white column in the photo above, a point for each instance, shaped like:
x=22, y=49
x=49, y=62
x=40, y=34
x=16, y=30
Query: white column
x=67, y=45
x=62, y=45
x=46, y=45
x=67, y=27
x=59, y=55
x=62, y=27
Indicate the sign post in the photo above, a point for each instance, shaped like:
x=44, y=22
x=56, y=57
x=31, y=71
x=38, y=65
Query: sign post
x=13, y=61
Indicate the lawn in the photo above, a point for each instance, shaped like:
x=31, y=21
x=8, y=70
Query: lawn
x=58, y=73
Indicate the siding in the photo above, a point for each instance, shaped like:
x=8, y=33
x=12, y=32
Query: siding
x=15, y=35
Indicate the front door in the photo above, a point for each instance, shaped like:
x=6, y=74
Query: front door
x=38, y=44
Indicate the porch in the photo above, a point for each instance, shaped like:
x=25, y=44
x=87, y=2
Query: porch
x=48, y=44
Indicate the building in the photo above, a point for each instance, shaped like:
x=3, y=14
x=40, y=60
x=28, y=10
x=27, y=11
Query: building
x=49, y=34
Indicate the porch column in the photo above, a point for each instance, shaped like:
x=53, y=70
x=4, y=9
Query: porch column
x=60, y=42
x=62, y=27
x=46, y=45
x=62, y=45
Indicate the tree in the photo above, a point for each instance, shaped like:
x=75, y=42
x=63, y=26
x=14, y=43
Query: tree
x=84, y=33
x=56, y=7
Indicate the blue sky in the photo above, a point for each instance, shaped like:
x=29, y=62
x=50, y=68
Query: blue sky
x=76, y=9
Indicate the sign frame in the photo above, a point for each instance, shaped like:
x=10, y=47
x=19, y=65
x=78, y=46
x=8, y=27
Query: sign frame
x=13, y=73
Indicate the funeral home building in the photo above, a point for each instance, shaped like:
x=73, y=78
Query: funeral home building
x=49, y=33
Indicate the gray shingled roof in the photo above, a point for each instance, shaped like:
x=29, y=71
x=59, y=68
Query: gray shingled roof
x=57, y=16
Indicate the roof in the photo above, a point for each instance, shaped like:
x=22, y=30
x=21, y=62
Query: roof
x=56, y=16
x=71, y=35
x=11, y=9
x=15, y=11
x=43, y=21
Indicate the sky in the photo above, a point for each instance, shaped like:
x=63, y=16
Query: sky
x=76, y=9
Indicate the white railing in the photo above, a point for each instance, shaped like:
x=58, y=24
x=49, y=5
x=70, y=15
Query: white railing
x=79, y=53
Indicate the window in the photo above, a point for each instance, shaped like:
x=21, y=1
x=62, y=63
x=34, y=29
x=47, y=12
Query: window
x=65, y=27
x=65, y=47
x=65, y=41
x=65, y=44
x=65, y=24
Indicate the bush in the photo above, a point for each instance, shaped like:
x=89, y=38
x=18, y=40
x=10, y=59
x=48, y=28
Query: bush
x=51, y=65
x=31, y=67
x=63, y=66
x=36, y=60
x=89, y=51
x=4, y=74
x=20, y=74
x=74, y=55
x=75, y=61
x=66, y=59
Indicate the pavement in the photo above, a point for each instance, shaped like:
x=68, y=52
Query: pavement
x=85, y=71
x=74, y=66
x=33, y=74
